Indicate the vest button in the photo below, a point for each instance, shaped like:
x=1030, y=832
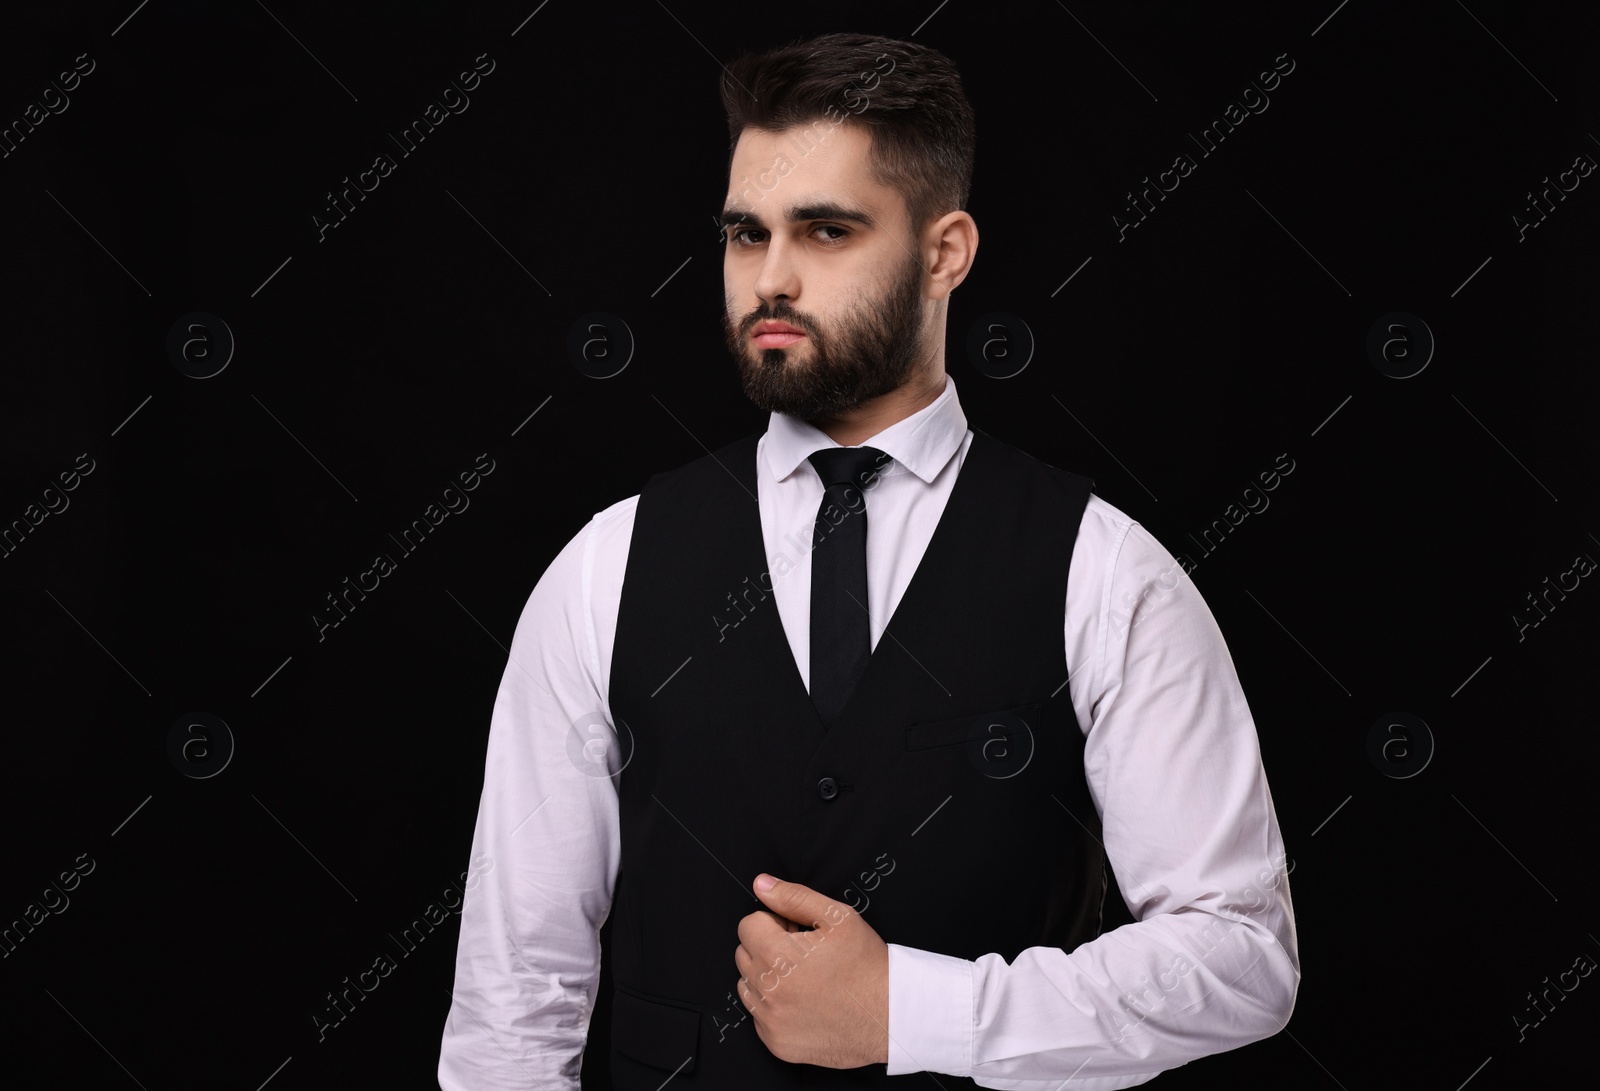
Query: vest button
x=827, y=788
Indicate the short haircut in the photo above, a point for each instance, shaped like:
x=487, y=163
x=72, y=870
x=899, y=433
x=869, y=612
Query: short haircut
x=914, y=110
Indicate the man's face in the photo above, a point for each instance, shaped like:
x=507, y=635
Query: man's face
x=817, y=245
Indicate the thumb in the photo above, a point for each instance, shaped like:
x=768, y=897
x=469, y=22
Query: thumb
x=793, y=901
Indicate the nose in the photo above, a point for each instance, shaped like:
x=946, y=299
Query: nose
x=779, y=276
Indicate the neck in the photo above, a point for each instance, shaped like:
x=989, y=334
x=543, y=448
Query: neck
x=866, y=420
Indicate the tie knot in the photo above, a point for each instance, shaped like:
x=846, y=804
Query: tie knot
x=855, y=466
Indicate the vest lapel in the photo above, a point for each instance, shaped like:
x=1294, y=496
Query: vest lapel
x=962, y=506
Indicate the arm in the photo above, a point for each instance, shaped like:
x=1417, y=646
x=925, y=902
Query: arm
x=545, y=847
x=1174, y=767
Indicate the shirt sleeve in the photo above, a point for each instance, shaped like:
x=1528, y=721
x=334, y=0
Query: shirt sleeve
x=545, y=847
x=1173, y=765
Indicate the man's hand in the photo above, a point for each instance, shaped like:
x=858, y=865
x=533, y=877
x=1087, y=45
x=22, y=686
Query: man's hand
x=817, y=997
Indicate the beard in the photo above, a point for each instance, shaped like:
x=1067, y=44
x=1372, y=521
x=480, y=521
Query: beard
x=872, y=350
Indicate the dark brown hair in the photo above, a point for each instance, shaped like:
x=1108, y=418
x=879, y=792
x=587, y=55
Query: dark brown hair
x=906, y=96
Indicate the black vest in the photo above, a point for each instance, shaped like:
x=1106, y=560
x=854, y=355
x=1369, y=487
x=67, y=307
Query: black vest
x=947, y=804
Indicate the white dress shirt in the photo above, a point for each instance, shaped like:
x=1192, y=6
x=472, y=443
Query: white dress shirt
x=1171, y=758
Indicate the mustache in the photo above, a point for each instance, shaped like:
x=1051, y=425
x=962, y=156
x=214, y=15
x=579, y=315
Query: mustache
x=776, y=314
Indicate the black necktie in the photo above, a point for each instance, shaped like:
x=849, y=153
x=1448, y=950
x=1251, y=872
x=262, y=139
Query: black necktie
x=841, y=631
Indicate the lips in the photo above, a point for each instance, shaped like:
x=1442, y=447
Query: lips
x=776, y=335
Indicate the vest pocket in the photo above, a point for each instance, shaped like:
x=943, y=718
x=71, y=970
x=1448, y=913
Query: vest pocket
x=980, y=727
x=654, y=1032
x=999, y=744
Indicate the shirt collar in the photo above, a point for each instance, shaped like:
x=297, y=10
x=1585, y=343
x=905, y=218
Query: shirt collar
x=922, y=443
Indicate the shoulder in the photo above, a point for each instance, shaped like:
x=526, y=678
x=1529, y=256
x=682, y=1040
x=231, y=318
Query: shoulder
x=1123, y=549
x=622, y=509
x=1109, y=539
x=1011, y=459
x=700, y=487
x=602, y=543
x=573, y=604
x=609, y=531
x=594, y=556
x=716, y=462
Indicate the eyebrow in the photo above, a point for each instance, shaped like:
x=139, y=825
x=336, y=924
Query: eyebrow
x=826, y=210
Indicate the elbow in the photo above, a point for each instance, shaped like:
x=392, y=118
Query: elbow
x=1272, y=999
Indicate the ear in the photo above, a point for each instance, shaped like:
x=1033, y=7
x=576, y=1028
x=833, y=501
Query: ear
x=950, y=245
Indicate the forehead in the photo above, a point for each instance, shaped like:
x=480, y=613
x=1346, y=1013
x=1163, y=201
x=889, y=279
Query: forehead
x=780, y=170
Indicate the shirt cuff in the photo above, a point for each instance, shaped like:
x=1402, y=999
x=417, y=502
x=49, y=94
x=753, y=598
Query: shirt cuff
x=930, y=1012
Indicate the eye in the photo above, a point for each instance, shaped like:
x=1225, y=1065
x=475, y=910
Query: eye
x=737, y=239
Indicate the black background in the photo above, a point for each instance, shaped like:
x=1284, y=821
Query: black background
x=1387, y=575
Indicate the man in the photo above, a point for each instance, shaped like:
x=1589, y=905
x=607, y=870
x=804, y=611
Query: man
x=928, y=684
